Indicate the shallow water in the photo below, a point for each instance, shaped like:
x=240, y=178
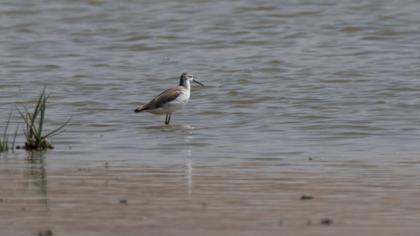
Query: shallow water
x=301, y=98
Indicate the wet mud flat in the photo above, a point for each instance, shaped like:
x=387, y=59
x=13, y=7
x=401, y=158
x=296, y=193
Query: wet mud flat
x=202, y=197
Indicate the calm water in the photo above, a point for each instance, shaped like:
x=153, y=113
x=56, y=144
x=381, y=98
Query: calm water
x=337, y=82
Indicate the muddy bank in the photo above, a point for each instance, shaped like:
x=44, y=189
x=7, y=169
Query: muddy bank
x=246, y=197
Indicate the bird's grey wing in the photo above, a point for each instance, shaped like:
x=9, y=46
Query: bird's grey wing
x=165, y=97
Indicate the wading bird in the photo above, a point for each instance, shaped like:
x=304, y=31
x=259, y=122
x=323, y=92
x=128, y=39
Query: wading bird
x=170, y=100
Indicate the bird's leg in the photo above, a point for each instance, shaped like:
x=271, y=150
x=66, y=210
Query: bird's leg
x=168, y=118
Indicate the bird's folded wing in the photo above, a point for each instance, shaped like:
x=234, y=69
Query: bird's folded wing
x=163, y=98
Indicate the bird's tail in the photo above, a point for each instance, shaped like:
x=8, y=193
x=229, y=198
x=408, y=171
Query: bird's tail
x=140, y=109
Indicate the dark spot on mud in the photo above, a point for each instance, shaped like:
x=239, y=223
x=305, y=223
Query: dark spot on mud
x=17, y=147
x=203, y=205
x=309, y=158
x=326, y=221
x=46, y=232
x=123, y=201
x=306, y=197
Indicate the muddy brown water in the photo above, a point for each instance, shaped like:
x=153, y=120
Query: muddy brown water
x=308, y=124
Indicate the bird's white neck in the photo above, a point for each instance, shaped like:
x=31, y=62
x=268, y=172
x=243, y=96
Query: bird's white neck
x=186, y=84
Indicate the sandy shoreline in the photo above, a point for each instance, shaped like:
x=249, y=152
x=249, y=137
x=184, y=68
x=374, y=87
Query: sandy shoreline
x=246, y=198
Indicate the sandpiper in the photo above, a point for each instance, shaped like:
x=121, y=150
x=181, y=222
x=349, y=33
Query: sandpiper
x=170, y=100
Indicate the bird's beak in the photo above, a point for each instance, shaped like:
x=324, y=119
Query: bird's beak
x=202, y=85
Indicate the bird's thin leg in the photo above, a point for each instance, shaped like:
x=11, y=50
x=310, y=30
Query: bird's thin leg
x=166, y=119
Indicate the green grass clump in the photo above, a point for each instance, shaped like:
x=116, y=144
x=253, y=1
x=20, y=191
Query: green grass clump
x=4, y=140
x=36, y=137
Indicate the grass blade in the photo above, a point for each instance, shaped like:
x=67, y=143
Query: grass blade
x=7, y=126
x=44, y=99
x=14, y=137
x=53, y=133
x=4, y=140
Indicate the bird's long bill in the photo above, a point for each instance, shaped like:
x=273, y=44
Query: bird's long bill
x=202, y=85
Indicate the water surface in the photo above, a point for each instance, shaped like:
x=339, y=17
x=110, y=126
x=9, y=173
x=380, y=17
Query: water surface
x=301, y=98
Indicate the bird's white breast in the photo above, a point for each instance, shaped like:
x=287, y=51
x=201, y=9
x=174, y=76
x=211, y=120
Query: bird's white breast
x=183, y=97
x=177, y=103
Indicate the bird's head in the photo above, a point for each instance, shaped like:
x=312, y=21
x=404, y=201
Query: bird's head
x=185, y=77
